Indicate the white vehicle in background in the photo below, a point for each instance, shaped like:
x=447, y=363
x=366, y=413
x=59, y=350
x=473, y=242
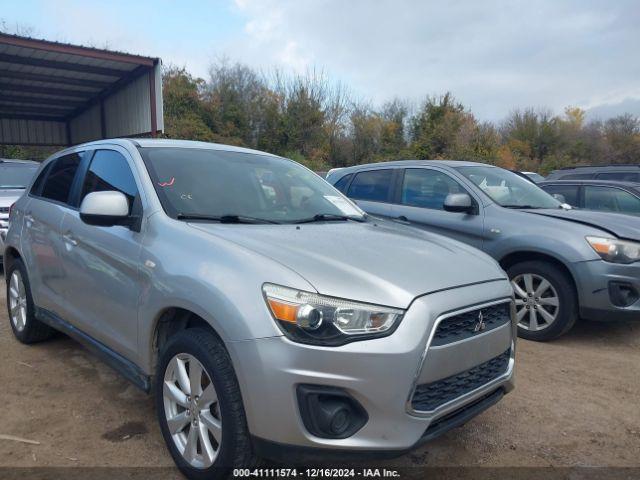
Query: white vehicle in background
x=15, y=175
x=535, y=177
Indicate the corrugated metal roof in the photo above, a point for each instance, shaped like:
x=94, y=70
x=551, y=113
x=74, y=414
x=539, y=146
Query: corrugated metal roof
x=57, y=82
x=36, y=75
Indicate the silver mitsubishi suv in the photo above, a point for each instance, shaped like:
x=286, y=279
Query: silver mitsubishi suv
x=266, y=312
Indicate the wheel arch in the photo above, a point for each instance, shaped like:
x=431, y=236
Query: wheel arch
x=513, y=258
x=11, y=254
x=170, y=321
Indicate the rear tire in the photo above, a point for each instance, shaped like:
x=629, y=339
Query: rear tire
x=546, y=300
x=221, y=437
x=20, y=308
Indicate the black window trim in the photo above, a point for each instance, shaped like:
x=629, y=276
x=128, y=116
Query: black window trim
x=392, y=184
x=49, y=167
x=398, y=194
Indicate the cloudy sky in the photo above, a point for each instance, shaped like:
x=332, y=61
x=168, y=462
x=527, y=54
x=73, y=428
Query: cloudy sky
x=493, y=55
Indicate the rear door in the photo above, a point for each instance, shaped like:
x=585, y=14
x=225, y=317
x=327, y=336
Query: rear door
x=373, y=190
x=420, y=201
x=41, y=241
x=102, y=263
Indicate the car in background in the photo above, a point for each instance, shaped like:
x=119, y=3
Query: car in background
x=619, y=173
x=564, y=264
x=536, y=177
x=268, y=313
x=15, y=175
x=598, y=195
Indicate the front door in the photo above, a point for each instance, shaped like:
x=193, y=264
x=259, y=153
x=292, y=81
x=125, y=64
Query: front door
x=420, y=202
x=102, y=263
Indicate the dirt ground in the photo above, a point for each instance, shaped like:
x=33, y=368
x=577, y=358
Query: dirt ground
x=577, y=403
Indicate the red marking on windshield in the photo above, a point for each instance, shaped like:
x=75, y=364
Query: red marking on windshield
x=167, y=184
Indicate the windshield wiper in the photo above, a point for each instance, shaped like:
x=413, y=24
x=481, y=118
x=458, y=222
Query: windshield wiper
x=225, y=218
x=330, y=217
x=518, y=207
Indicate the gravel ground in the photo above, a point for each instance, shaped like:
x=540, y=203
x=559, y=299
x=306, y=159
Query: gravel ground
x=576, y=404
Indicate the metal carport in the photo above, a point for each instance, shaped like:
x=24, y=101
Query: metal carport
x=59, y=94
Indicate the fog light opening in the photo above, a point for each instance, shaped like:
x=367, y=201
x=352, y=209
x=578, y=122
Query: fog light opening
x=623, y=294
x=330, y=412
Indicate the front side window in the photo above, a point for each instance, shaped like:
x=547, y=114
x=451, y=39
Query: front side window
x=373, y=185
x=508, y=189
x=569, y=192
x=427, y=188
x=214, y=184
x=16, y=176
x=611, y=200
x=58, y=183
x=110, y=171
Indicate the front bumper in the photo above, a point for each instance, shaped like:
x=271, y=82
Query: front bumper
x=380, y=374
x=594, y=278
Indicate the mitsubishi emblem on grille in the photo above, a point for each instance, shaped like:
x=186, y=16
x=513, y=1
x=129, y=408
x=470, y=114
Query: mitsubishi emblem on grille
x=480, y=325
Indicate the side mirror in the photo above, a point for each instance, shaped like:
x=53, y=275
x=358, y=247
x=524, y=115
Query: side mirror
x=105, y=209
x=560, y=197
x=458, y=202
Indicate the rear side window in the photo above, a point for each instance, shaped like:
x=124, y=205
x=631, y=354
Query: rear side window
x=343, y=182
x=620, y=176
x=611, y=200
x=58, y=183
x=110, y=171
x=373, y=185
x=569, y=192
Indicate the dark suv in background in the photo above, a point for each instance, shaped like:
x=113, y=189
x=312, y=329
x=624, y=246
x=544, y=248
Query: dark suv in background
x=619, y=173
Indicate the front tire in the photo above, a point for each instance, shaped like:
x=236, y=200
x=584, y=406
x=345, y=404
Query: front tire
x=20, y=307
x=546, y=300
x=200, y=408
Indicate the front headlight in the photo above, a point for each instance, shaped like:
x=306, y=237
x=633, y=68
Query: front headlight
x=614, y=250
x=308, y=317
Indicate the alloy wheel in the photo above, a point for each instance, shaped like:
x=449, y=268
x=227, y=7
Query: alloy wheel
x=192, y=410
x=537, y=301
x=17, y=301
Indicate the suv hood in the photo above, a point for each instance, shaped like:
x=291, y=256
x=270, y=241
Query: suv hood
x=622, y=226
x=385, y=265
x=8, y=197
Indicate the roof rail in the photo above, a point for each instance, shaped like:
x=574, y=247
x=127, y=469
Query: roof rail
x=600, y=166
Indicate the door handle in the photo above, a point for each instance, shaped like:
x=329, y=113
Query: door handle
x=402, y=218
x=68, y=238
x=28, y=218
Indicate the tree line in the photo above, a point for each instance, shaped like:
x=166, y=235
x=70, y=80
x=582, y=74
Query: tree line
x=321, y=124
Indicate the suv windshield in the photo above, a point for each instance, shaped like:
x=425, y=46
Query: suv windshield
x=16, y=176
x=509, y=189
x=237, y=187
